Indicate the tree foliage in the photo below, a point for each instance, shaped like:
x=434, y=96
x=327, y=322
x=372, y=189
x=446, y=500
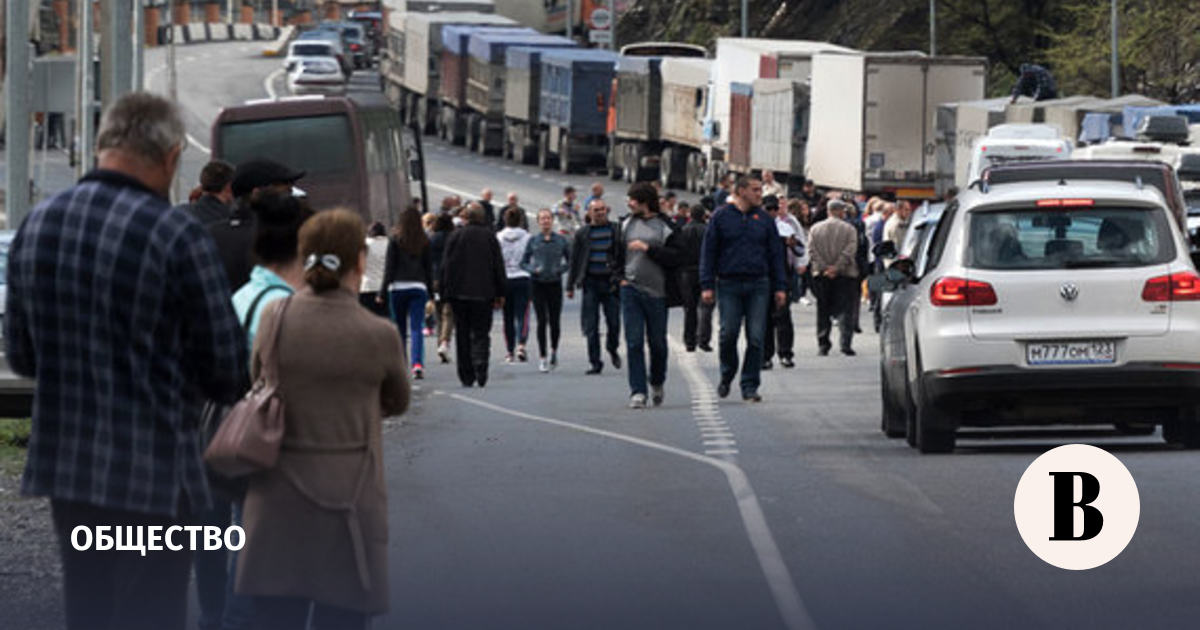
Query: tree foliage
x=1159, y=46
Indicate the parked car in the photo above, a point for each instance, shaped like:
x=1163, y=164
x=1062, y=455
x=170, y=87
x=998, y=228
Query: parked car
x=898, y=292
x=317, y=75
x=16, y=391
x=1055, y=302
x=318, y=44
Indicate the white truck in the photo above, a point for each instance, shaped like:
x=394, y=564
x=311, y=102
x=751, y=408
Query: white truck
x=409, y=67
x=871, y=126
x=957, y=126
x=742, y=60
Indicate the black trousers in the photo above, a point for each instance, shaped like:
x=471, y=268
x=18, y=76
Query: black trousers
x=369, y=302
x=291, y=613
x=781, y=334
x=473, y=319
x=695, y=329
x=548, y=304
x=121, y=590
x=834, y=299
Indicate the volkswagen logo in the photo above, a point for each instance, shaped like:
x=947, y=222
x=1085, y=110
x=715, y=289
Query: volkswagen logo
x=1069, y=291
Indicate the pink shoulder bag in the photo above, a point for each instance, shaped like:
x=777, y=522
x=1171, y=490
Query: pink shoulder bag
x=248, y=439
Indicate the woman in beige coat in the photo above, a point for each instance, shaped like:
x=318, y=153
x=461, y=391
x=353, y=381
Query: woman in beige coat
x=316, y=524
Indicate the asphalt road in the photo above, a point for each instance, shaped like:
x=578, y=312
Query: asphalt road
x=542, y=502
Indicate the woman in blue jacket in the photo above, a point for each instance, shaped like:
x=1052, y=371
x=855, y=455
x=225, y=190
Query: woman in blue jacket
x=547, y=258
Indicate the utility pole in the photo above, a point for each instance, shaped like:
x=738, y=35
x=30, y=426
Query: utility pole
x=612, y=27
x=139, y=44
x=16, y=107
x=1116, y=65
x=570, y=19
x=745, y=18
x=275, y=13
x=85, y=89
x=116, y=51
x=229, y=11
x=172, y=81
x=932, y=28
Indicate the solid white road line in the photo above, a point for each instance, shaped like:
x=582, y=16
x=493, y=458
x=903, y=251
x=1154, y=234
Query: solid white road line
x=199, y=145
x=779, y=579
x=269, y=83
x=454, y=191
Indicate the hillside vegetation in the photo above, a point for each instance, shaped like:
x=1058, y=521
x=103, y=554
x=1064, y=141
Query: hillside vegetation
x=1159, y=39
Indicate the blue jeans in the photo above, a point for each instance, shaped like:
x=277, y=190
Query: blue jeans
x=645, y=323
x=598, y=294
x=743, y=300
x=516, y=312
x=409, y=304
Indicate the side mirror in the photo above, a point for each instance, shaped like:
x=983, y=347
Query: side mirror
x=886, y=249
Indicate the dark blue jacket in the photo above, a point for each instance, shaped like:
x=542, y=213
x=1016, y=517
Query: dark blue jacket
x=741, y=245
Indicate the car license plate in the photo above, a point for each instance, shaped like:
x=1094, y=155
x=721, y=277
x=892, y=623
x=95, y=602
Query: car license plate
x=1094, y=352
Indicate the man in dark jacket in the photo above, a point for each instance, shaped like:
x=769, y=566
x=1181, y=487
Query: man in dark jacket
x=1035, y=82
x=473, y=279
x=697, y=316
x=591, y=270
x=235, y=234
x=742, y=260
x=646, y=260
x=216, y=193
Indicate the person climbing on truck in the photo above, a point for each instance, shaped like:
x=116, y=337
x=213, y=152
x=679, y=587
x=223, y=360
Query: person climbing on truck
x=1035, y=82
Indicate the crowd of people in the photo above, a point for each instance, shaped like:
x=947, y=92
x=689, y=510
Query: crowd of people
x=160, y=335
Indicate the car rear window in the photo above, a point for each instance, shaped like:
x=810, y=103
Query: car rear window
x=311, y=50
x=1066, y=238
x=292, y=141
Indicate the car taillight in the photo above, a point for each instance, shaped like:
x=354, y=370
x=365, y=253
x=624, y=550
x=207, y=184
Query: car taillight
x=1065, y=203
x=1177, y=287
x=355, y=47
x=961, y=292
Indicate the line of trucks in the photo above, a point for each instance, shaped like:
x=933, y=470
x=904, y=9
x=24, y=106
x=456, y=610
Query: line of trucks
x=898, y=123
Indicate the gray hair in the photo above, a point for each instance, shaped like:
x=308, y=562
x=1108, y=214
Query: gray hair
x=838, y=206
x=475, y=213
x=144, y=124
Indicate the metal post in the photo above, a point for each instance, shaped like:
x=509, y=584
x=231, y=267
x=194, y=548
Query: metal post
x=229, y=11
x=116, y=51
x=570, y=19
x=275, y=13
x=1116, y=65
x=172, y=81
x=745, y=18
x=139, y=45
x=932, y=28
x=612, y=27
x=86, y=88
x=16, y=107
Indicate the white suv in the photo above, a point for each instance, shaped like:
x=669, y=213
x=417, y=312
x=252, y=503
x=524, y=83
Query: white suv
x=1055, y=302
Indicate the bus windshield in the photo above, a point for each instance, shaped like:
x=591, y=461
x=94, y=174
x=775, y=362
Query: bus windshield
x=317, y=145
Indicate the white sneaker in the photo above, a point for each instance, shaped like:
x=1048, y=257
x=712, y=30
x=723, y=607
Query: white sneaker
x=543, y=365
x=656, y=394
x=637, y=401
x=443, y=352
x=508, y=358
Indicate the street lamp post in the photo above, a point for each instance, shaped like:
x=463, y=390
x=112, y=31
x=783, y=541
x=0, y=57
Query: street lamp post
x=1116, y=67
x=932, y=28
x=745, y=18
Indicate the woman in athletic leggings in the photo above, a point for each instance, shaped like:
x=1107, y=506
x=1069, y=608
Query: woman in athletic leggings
x=547, y=258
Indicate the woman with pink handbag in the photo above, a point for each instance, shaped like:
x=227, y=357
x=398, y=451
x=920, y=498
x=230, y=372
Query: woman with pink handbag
x=339, y=370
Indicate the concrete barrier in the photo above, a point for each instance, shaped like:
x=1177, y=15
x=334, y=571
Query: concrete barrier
x=265, y=32
x=278, y=48
x=179, y=33
x=243, y=32
x=197, y=32
x=218, y=32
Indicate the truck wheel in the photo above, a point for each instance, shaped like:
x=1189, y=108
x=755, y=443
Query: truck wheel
x=665, y=168
x=931, y=437
x=564, y=154
x=483, y=139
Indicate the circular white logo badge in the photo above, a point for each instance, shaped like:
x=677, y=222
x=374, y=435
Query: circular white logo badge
x=1077, y=507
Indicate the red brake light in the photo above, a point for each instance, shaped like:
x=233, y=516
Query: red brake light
x=961, y=292
x=1065, y=203
x=355, y=47
x=1177, y=287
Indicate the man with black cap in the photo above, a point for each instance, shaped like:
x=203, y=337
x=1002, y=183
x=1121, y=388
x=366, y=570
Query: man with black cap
x=235, y=235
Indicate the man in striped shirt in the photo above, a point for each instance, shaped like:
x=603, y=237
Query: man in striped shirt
x=118, y=305
x=595, y=246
